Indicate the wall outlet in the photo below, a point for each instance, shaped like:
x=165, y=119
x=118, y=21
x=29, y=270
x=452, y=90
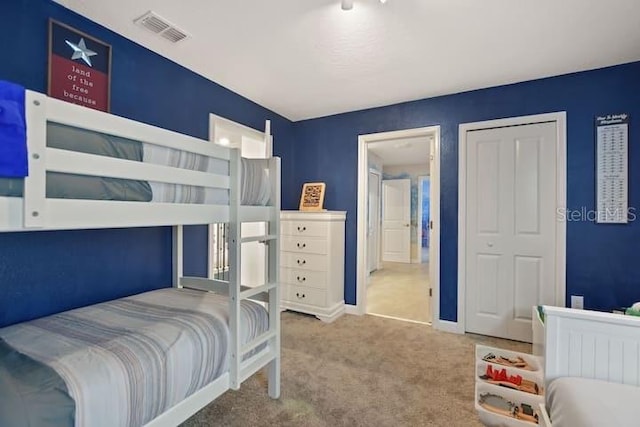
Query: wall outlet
x=577, y=301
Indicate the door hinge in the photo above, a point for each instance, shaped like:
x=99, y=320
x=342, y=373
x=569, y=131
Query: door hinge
x=430, y=225
x=430, y=292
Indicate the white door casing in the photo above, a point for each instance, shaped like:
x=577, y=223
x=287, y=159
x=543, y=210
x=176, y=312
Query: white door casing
x=257, y=145
x=511, y=185
x=373, y=231
x=254, y=254
x=396, y=220
x=361, y=219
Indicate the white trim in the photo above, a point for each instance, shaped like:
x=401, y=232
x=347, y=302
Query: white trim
x=363, y=191
x=560, y=119
x=384, y=316
x=352, y=309
x=418, y=258
x=434, y=216
x=447, y=326
x=221, y=127
x=378, y=261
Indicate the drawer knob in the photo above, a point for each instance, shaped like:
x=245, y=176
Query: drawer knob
x=302, y=262
x=301, y=279
x=301, y=229
x=302, y=245
x=299, y=295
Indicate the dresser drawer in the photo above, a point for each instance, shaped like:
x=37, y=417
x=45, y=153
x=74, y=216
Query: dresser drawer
x=304, y=295
x=304, y=228
x=304, y=245
x=314, y=279
x=303, y=261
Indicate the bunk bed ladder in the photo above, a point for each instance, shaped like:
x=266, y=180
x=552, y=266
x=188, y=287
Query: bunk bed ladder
x=269, y=292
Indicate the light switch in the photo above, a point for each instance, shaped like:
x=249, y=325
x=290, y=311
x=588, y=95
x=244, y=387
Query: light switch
x=577, y=301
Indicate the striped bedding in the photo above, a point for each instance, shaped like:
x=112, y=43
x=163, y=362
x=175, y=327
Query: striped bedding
x=256, y=187
x=126, y=361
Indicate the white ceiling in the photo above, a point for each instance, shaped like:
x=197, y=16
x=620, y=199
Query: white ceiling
x=308, y=58
x=403, y=151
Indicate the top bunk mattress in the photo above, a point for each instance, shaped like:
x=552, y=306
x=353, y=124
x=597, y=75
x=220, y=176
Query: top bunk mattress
x=124, y=362
x=587, y=402
x=255, y=189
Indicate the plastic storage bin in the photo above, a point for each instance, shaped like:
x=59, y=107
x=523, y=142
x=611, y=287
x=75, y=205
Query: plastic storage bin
x=493, y=419
x=534, y=362
x=534, y=373
x=534, y=376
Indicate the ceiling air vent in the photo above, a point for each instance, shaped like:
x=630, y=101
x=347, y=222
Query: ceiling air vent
x=173, y=34
x=160, y=26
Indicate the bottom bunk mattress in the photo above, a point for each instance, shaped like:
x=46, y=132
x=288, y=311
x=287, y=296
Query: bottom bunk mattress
x=123, y=362
x=587, y=402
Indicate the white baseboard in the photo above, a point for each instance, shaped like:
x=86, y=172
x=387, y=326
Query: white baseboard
x=447, y=326
x=353, y=309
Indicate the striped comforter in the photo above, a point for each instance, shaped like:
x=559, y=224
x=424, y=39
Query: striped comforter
x=127, y=361
x=256, y=187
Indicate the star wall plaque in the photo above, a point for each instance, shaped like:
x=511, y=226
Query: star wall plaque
x=79, y=67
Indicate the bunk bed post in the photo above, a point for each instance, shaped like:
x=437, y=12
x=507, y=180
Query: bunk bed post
x=273, y=268
x=235, y=269
x=177, y=253
x=35, y=184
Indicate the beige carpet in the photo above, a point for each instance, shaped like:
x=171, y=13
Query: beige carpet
x=360, y=371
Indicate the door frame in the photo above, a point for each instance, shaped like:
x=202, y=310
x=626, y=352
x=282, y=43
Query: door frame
x=363, y=192
x=378, y=226
x=219, y=128
x=560, y=118
x=419, y=236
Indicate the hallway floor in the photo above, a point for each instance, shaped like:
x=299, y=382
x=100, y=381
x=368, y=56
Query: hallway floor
x=401, y=291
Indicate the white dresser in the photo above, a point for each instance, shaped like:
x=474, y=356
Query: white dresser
x=312, y=263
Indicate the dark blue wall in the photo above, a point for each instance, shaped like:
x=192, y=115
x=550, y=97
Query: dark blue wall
x=46, y=272
x=602, y=260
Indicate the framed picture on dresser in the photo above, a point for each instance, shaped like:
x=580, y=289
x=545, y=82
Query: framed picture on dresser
x=312, y=197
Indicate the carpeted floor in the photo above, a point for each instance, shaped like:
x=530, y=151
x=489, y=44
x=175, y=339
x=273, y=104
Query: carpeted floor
x=360, y=371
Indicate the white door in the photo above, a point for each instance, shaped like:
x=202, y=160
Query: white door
x=396, y=220
x=373, y=227
x=510, y=227
x=254, y=254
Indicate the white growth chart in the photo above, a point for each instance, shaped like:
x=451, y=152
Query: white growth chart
x=612, y=138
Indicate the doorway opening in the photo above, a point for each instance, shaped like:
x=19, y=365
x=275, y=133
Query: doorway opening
x=398, y=267
x=253, y=144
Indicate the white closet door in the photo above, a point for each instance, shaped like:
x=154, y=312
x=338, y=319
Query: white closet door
x=510, y=227
x=254, y=254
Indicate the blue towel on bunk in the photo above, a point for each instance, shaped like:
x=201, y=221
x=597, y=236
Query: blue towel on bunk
x=13, y=131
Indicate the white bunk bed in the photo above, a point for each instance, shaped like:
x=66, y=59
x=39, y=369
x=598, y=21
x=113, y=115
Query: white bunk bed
x=591, y=365
x=35, y=211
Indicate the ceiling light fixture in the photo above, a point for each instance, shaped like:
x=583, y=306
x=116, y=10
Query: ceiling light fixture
x=383, y=1
x=347, y=4
x=224, y=141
